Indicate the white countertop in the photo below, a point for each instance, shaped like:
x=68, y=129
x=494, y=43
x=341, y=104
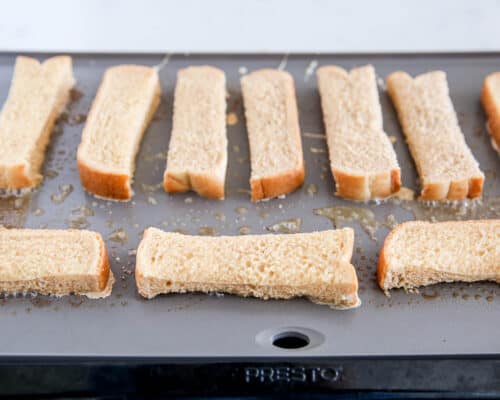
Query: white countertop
x=250, y=26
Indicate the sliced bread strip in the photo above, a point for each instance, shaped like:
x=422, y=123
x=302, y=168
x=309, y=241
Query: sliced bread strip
x=490, y=98
x=315, y=265
x=446, y=166
x=55, y=262
x=421, y=253
x=197, y=154
x=125, y=103
x=38, y=94
x=362, y=158
x=277, y=163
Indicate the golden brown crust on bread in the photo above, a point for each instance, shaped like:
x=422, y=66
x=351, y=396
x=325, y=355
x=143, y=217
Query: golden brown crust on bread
x=16, y=177
x=174, y=263
x=491, y=103
x=457, y=190
x=417, y=101
x=362, y=159
x=103, y=277
x=204, y=185
x=274, y=186
x=104, y=184
x=27, y=174
x=101, y=182
x=419, y=253
x=342, y=296
x=197, y=154
x=281, y=114
x=58, y=278
x=356, y=187
x=383, y=261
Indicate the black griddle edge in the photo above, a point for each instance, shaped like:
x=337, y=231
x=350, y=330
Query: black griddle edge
x=367, y=377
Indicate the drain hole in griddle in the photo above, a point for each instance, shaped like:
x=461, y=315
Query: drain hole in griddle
x=290, y=340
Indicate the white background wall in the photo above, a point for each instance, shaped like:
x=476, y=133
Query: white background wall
x=250, y=26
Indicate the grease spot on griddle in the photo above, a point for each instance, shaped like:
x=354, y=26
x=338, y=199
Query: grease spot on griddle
x=291, y=225
x=311, y=189
x=156, y=156
x=264, y=214
x=339, y=214
x=51, y=174
x=119, y=235
x=207, y=231
x=152, y=201
x=391, y=221
x=220, y=216
x=14, y=210
x=64, y=191
x=75, y=94
x=245, y=230
x=38, y=212
x=41, y=302
x=430, y=295
x=454, y=211
x=146, y=188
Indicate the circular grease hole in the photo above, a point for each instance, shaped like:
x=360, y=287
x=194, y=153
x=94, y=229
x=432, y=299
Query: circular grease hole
x=290, y=340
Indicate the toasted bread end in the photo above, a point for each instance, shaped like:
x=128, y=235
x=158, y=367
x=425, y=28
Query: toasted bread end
x=458, y=190
x=492, y=108
x=274, y=186
x=104, y=184
x=366, y=187
x=103, y=277
x=15, y=177
x=203, y=184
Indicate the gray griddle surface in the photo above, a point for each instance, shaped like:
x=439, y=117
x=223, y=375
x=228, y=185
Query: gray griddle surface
x=441, y=320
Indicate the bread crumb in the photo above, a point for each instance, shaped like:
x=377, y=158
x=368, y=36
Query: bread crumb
x=317, y=150
x=231, y=119
x=314, y=135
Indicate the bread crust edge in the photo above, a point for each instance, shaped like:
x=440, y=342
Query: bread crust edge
x=366, y=187
x=104, y=267
x=383, y=265
x=104, y=184
x=109, y=185
x=87, y=283
x=492, y=112
x=273, y=186
x=17, y=177
x=471, y=187
x=204, y=185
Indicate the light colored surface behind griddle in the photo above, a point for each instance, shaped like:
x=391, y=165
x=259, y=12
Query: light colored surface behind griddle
x=227, y=26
